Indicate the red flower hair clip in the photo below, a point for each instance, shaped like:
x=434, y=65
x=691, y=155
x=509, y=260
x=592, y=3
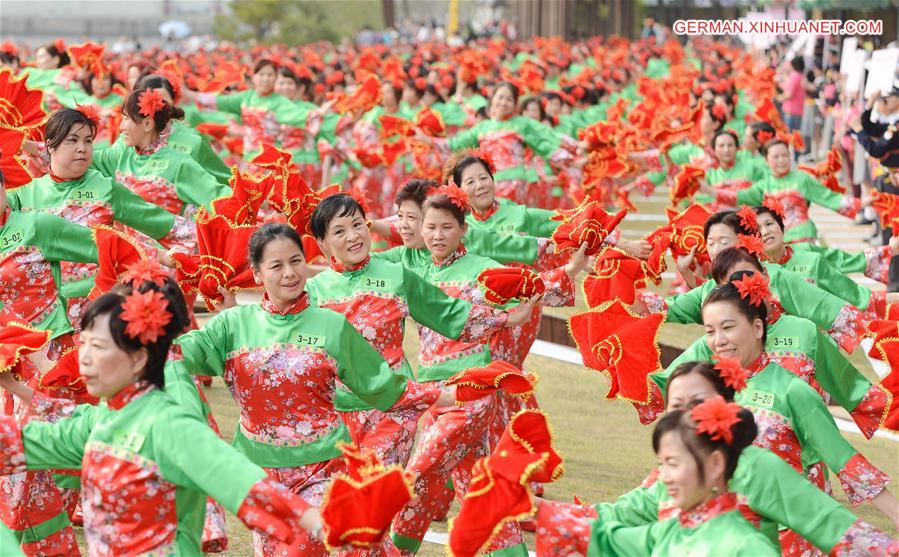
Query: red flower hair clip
x=748, y=219
x=90, y=112
x=420, y=83
x=360, y=198
x=763, y=137
x=60, y=45
x=775, y=205
x=456, y=195
x=143, y=271
x=716, y=418
x=150, y=102
x=146, y=314
x=753, y=244
x=732, y=373
x=753, y=287
x=485, y=158
x=719, y=111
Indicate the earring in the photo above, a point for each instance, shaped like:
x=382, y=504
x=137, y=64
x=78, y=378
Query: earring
x=714, y=490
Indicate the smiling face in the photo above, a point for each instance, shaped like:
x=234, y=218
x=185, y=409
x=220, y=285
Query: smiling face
x=502, y=105
x=44, y=60
x=286, y=87
x=687, y=388
x=101, y=86
x=479, y=186
x=347, y=239
x=778, y=158
x=71, y=158
x=282, y=271
x=730, y=334
x=532, y=110
x=679, y=472
x=409, y=224
x=441, y=232
x=264, y=80
x=772, y=234
x=136, y=134
x=725, y=149
x=721, y=237
x=106, y=368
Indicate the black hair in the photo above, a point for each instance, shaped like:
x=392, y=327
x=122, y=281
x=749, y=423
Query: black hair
x=457, y=165
x=263, y=63
x=764, y=149
x=8, y=58
x=728, y=293
x=110, y=304
x=288, y=73
x=64, y=59
x=798, y=64
x=727, y=218
x=730, y=133
x=155, y=81
x=508, y=85
x=337, y=205
x=757, y=127
x=444, y=203
x=728, y=258
x=416, y=191
x=707, y=370
x=2, y=179
x=161, y=119
x=60, y=124
x=701, y=445
x=266, y=234
x=762, y=210
x=432, y=90
x=530, y=101
x=481, y=112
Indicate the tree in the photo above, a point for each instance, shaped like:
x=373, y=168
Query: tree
x=296, y=21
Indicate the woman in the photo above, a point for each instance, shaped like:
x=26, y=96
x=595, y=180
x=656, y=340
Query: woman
x=145, y=461
x=149, y=167
x=771, y=493
x=794, y=189
x=729, y=170
x=283, y=372
x=376, y=296
x=52, y=72
x=267, y=117
x=793, y=421
x=797, y=345
x=845, y=323
x=32, y=246
x=180, y=135
x=815, y=268
x=698, y=456
x=456, y=437
x=505, y=136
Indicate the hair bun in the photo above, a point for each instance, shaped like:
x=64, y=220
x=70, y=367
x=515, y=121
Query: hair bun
x=745, y=431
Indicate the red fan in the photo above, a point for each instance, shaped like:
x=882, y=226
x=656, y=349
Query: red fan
x=655, y=265
x=886, y=348
x=358, y=508
x=887, y=207
x=686, y=183
x=395, y=126
x=687, y=232
x=274, y=159
x=605, y=163
x=116, y=252
x=616, y=276
x=14, y=168
x=18, y=339
x=667, y=136
x=529, y=432
x=478, y=382
x=64, y=380
x=506, y=283
x=21, y=108
x=615, y=341
x=222, y=259
x=587, y=223
x=430, y=122
x=87, y=55
x=498, y=493
x=363, y=98
x=247, y=195
x=215, y=131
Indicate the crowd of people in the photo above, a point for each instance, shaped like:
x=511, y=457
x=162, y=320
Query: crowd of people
x=459, y=187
